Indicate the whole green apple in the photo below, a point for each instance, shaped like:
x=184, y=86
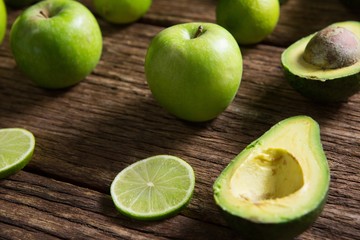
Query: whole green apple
x=56, y=43
x=194, y=70
x=19, y=3
x=121, y=11
x=249, y=21
x=3, y=19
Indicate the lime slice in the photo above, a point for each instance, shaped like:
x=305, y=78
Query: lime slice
x=153, y=188
x=16, y=149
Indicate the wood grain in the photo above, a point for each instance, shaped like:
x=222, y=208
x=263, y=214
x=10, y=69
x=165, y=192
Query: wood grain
x=88, y=133
x=61, y=210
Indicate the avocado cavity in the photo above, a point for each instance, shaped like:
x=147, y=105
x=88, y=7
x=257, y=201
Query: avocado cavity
x=333, y=47
x=273, y=173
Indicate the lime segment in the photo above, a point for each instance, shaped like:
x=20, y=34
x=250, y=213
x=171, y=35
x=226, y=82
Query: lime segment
x=16, y=149
x=153, y=188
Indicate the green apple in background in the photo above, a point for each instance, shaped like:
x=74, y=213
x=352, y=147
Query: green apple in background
x=3, y=18
x=19, y=3
x=194, y=70
x=121, y=11
x=249, y=21
x=56, y=43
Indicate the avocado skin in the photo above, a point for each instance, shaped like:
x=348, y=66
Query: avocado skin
x=335, y=90
x=273, y=231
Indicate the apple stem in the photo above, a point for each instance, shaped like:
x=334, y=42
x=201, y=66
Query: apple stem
x=199, y=31
x=43, y=14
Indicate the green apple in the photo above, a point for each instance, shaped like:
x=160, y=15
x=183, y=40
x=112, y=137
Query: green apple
x=2, y=20
x=56, y=43
x=121, y=11
x=194, y=70
x=19, y=3
x=249, y=21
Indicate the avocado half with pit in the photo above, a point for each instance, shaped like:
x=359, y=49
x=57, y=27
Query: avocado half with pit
x=325, y=66
x=277, y=186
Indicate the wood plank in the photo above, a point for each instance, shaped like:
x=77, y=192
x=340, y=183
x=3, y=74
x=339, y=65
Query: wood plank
x=9, y=231
x=96, y=160
x=35, y=206
x=44, y=206
x=87, y=134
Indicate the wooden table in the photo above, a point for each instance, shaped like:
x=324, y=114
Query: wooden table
x=87, y=134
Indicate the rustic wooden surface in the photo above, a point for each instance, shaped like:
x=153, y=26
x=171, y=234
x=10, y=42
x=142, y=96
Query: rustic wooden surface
x=88, y=133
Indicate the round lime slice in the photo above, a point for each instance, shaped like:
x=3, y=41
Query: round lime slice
x=153, y=188
x=16, y=149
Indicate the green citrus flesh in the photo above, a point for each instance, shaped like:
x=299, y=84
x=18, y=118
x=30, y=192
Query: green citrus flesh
x=153, y=188
x=277, y=186
x=325, y=85
x=16, y=149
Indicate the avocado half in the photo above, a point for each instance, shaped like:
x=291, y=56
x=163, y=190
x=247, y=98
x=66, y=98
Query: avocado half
x=277, y=186
x=324, y=85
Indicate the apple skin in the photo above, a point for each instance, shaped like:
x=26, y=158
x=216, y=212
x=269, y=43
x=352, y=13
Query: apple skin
x=19, y=3
x=249, y=21
x=56, y=43
x=3, y=19
x=121, y=11
x=194, y=78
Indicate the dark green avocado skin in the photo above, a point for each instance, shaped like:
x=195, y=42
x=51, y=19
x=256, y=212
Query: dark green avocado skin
x=336, y=90
x=249, y=230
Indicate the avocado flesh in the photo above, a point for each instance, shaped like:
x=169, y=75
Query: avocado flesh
x=273, y=173
x=277, y=186
x=326, y=85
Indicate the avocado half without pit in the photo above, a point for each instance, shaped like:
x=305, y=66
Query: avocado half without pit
x=277, y=186
x=325, y=66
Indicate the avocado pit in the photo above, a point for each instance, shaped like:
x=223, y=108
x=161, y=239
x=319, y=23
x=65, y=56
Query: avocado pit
x=333, y=47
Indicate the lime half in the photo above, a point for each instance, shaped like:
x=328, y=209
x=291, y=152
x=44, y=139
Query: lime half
x=153, y=188
x=16, y=149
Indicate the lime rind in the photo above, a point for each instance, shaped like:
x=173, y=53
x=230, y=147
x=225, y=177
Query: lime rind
x=153, y=188
x=16, y=150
